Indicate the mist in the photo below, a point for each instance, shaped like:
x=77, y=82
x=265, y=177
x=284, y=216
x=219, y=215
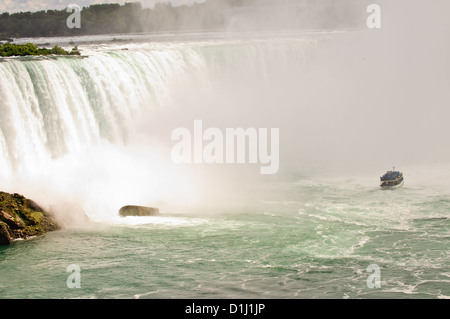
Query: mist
x=350, y=100
x=382, y=93
x=353, y=103
x=367, y=96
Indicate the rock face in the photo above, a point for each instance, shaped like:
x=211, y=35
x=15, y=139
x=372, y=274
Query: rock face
x=22, y=218
x=5, y=235
x=133, y=210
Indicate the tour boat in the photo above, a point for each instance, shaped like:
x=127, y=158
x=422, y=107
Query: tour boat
x=391, y=179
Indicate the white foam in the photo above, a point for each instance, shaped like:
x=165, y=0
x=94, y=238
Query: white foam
x=158, y=220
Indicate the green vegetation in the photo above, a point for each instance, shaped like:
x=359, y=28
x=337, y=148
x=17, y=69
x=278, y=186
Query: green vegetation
x=22, y=218
x=12, y=49
x=207, y=15
x=112, y=18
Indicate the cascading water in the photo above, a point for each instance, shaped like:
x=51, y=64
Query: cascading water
x=94, y=119
x=96, y=131
x=54, y=107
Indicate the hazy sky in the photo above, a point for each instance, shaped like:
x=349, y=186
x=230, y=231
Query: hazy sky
x=35, y=5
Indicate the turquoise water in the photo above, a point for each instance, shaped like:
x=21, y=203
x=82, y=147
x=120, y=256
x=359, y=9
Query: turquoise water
x=95, y=132
x=315, y=243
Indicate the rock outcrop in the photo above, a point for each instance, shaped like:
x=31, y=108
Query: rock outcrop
x=21, y=218
x=133, y=210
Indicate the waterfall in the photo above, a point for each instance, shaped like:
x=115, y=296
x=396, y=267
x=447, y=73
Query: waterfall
x=51, y=107
x=64, y=119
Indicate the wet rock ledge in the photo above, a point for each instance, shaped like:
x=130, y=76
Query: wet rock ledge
x=21, y=218
x=134, y=210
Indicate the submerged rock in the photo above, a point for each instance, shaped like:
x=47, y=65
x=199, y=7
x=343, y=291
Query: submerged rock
x=21, y=218
x=134, y=210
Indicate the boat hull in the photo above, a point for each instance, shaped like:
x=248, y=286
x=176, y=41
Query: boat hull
x=392, y=184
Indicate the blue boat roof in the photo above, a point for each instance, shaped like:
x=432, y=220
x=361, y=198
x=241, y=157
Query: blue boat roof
x=390, y=175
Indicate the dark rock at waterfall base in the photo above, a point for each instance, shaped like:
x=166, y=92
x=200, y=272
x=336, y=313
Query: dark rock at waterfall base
x=5, y=235
x=21, y=218
x=134, y=210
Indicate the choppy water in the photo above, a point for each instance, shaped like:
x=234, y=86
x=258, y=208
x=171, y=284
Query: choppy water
x=86, y=131
x=310, y=239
